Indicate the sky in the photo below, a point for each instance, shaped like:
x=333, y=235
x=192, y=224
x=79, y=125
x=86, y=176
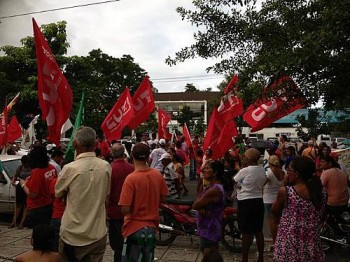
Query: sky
x=149, y=31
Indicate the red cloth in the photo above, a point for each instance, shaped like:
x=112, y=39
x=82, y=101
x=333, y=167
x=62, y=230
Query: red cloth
x=14, y=130
x=163, y=119
x=119, y=117
x=267, y=110
x=143, y=103
x=54, y=92
x=104, y=147
x=120, y=170
x=232, y=85
x=39, y=182
x=59, y=204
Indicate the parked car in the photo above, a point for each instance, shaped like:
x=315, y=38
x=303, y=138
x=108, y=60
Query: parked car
x=324, y=138
x=7, y=191
x=260, y=145
x=340, y=142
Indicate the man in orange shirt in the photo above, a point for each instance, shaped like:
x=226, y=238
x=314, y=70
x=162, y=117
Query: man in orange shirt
x=142, y=192
x=310, y=151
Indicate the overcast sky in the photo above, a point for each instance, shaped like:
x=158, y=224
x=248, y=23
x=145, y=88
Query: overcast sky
x=149, y=31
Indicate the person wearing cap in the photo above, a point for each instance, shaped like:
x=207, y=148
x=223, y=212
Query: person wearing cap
x=250, y=206
x=142, y=192
x=310, y=151
x=154, y=158
x=170, y=176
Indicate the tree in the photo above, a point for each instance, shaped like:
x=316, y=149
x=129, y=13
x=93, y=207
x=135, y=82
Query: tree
x=307, y=40
x=199, y=127
x=191, y=88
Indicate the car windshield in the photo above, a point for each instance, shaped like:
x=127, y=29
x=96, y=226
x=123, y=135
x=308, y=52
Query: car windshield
x=11, y=166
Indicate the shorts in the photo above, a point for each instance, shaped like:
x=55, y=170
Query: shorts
x=250, y=215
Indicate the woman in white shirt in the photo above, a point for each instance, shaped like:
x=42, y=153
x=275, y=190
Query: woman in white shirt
x=275, y=176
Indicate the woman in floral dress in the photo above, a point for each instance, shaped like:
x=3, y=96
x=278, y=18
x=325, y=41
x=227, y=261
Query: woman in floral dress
x=300, y=208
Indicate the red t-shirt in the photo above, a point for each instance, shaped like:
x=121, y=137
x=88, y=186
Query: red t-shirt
x=120, y=170
x=58, y=204
x=39, y=182
x=104, y=147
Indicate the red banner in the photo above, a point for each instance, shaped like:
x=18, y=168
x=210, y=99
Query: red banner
x=143, y=103
x=227, y=133
x=265, y=111
x=3, y=127
x=54, y=92
x=230, y=107
x=163, y=120
x=119, y=117
x=232, y=85
x=14, y=130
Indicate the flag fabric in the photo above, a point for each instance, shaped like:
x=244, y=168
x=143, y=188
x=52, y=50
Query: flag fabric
x=267, y=110
x=119, y=117
x=266, y=165
x=232, y=85
x=3, y=127
x=230, y=107
x=225, y=141
x=66, y=126
x=14, y=130
x=163, y=120
x=13, y=102
x=28, y=137
x=143, y=103
x=69, y=156
x=54, y=92
x=187, y=137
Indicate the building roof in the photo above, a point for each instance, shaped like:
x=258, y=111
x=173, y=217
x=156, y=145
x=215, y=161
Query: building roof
x=186, y=96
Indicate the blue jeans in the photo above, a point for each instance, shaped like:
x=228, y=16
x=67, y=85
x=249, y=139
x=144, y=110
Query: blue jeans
x=139, y=246
x=193, y=168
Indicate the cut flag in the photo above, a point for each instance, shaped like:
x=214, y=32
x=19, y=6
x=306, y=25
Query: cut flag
x=54, y=92
x=267, y=110
x=119, y=117
x=143, y=103
x=232, y=85
x=163, y=120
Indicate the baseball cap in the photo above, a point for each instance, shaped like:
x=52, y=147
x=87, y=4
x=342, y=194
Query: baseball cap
x=162, y=141
x=165, y=155
x=140, y=151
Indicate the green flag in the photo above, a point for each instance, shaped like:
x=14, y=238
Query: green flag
x=78, y=121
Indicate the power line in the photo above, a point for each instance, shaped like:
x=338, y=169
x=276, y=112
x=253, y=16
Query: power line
x=58, y=9
x=183, y=79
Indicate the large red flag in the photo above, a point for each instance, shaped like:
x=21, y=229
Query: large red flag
x=187, y=136
x=227, y=133
x=143, y=103
x=230, y=107
x=163, y=120
x=232, y=85
x=14, y=130
x=3, y=127
x=54, y=92
x=267, y=110
x=119, y=117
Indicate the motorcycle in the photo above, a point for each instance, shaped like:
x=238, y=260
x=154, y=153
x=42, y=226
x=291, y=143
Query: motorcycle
x=336, y=231
x=178, y=218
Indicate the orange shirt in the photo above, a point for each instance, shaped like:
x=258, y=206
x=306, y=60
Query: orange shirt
x=142, y=191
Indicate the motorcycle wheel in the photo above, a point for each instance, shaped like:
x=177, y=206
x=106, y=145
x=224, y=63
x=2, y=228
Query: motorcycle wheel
x=231, y=236
x=327, y=232
x=164, y=237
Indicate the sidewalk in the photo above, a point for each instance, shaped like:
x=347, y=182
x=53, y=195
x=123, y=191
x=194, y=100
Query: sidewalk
x=14, y=242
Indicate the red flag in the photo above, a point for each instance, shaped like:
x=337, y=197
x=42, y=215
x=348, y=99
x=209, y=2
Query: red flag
x=265, y=111
x=119, y=117
x=230, y=107
x=143, y=103
x=187, y=136
x=3, y=127
x=163, y=120
x=12, y=103
x=232, y=85
x=55, y=94
x=225, y=140
x=14, y=130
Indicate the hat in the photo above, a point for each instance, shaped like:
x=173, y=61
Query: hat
x=140, y=151
x=164, y=156
x=310, y=143
x=162, y=141
x=252, y=154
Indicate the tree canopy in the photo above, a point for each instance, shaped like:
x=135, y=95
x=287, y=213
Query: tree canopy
x=307, y=40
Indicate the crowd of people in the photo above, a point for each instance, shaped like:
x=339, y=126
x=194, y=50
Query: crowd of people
x=124, y=184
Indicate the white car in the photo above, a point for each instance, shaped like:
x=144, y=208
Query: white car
x=7, y=191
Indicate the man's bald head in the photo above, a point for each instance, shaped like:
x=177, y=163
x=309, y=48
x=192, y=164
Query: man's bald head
x=118, y=150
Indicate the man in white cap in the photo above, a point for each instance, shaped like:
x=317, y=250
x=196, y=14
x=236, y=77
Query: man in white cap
x=154, y=158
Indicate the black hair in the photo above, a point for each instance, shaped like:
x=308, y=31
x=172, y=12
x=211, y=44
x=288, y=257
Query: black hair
x=306, y=169
x=331, y=160
x=199, y=152
x=292, y=149
x=43, y=238
x=38, y=157
x=57, y=152
x=177, y=158
x=140, y=152
x=218, y=168
x=178, y=144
